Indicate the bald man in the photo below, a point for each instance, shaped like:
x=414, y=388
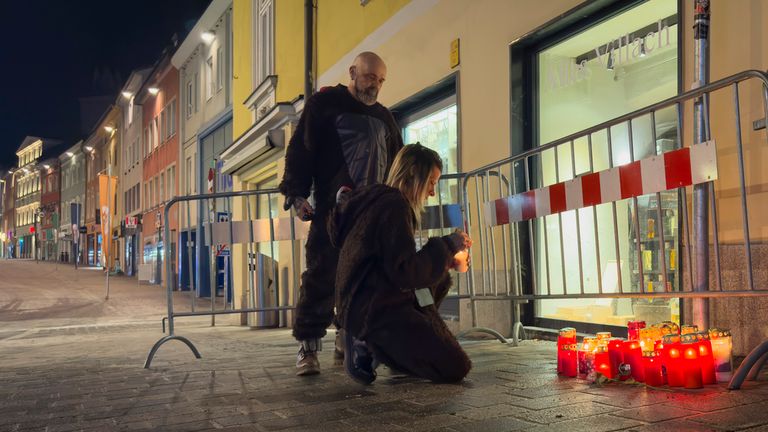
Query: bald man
x=345, y=138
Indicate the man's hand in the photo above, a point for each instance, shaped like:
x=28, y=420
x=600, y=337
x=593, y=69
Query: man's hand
x=303, y=209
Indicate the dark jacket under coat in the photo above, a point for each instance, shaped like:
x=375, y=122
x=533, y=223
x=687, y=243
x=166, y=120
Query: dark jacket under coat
x=339, y=141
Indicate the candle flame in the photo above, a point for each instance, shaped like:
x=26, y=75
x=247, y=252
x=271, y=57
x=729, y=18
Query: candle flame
x=690, y=353
x=674, y=353
x=703, y=350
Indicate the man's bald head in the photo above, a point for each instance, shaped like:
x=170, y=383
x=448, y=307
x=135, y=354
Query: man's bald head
x=367, y=74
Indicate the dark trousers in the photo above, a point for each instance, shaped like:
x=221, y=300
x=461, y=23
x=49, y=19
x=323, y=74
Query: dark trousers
x=419, y=343
x=314, y=311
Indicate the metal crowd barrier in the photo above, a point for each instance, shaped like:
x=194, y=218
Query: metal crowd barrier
x=494, y=218
x=250, y=219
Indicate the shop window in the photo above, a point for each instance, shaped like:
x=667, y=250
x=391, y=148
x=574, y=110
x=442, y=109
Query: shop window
x=431, y=118
x=615, y=66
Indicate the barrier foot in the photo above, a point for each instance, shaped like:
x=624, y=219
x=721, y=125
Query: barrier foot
x=518, y=333
x=491, y=332
x=755, y=371
x=753, y=359
x=166, y=339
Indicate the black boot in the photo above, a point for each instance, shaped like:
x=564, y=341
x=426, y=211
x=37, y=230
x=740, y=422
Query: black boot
x=359, y=362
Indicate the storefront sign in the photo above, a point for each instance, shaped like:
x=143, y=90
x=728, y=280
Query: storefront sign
x=455, y=58
x=131, y=221
x=616, y=52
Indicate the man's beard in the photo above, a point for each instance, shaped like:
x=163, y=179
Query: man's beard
x=366, y=95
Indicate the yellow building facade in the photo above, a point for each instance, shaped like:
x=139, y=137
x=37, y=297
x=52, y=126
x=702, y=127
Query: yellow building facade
x=454, y=82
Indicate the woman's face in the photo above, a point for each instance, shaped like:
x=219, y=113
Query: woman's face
x=434, y=177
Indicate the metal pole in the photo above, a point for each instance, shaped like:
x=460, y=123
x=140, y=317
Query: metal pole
x=309, y=47
x=700, y=191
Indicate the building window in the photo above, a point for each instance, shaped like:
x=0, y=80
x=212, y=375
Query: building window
x=220, y=68
x=129, y=112
x=162, y=187
x=209, y=78
x=189, y=176
x=263, y=35
x=190, y=96
x=171, y=118
x=171, y=182
x=431, y=118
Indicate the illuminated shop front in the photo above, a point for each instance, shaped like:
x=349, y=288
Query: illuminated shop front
x=620, y=62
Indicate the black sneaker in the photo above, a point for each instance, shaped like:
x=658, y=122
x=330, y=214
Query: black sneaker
x=307, y=363
x=358, y=360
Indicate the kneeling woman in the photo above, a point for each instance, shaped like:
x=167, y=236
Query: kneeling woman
x=388, y=293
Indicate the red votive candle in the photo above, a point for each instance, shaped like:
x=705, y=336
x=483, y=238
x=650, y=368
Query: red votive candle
x=603, y=363
x=570, y=367
x=566, y=336
x=691, y=366
x=634, y=358
x=586, y=356
x=706, y=359
x=652, y=366
x=633, y=329
x=672, y=360
x=615, y=355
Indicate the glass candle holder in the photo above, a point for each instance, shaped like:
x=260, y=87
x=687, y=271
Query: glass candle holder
x=602, y=338
x=603, y=362
x=647, y=338
x=586, y=356
x=691, y=364
x=669, y=327
x=688, y=329
x=672, y=361
x=652, y=366
x=722, y=347
x=633, y=329
x=570, y=364
x=566, y=337
x=633, y=357
x=615, y=355
x=706, y=358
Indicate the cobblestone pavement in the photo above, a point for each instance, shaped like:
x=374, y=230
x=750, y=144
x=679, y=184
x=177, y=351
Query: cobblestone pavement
x=89, y=376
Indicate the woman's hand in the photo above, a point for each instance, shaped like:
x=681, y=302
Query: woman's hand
x=460, y=240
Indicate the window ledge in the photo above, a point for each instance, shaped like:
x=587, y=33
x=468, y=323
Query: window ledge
x=262, y=100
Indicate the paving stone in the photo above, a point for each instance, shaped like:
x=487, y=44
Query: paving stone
x=564, y=412
x=741, y=417
x=90, y=378
x=599, y=423
x=653, y=413
x=492, y=425
x=676, y=426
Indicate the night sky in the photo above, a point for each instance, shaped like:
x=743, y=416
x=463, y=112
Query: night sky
x=56, y=51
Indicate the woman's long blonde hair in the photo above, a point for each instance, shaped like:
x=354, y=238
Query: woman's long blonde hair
x=410, y=174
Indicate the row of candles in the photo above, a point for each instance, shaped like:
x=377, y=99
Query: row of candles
x=662, y=354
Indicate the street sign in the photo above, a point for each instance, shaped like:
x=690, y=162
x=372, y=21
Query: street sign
x=222, y=250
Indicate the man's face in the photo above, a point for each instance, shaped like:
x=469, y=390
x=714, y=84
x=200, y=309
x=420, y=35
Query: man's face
x=368, y=79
